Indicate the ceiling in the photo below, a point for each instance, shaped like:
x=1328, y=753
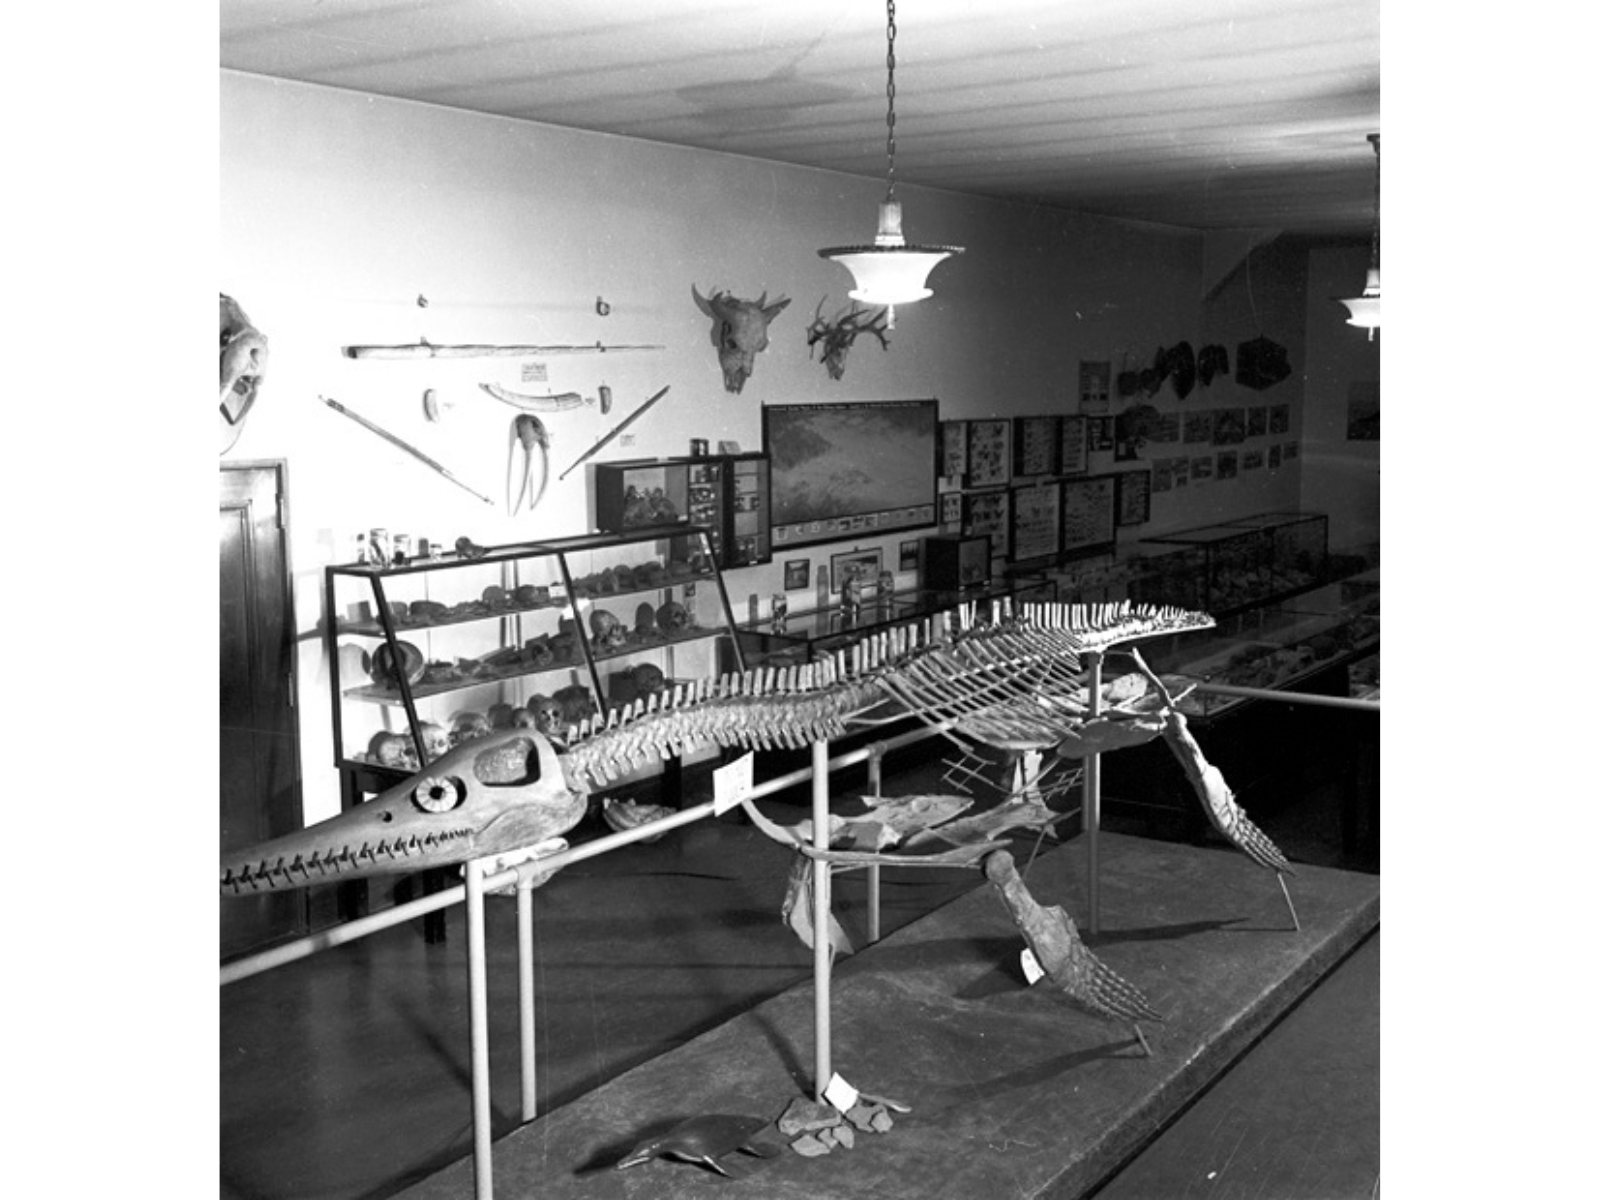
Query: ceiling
x=1208, y=114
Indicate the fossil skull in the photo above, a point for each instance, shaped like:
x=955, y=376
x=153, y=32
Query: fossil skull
x=503, y=792
x=547, y=716
x=467, y=727
x=435, y=740
x=672, y=616
x=244, y=362
x=576, y=703
x=738, y=331
x=648, y=678
x=608, y=632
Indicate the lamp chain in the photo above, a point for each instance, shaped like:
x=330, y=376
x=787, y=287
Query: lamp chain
x=891, y=100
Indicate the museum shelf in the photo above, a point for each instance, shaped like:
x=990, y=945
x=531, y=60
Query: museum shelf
x=423, y=653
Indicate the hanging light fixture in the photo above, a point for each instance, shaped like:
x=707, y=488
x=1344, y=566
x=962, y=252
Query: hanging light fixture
x=1364, y=308
x=890, y=272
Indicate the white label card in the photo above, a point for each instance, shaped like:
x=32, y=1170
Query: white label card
x=1031, y=970
x=732, y=783
x=840, y=1094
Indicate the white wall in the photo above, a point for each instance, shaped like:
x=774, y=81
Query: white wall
x=338, y=210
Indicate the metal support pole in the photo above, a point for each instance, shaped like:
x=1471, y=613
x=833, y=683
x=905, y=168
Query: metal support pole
x=821, y=917
x=1091, y=794
x=530, y=1088
x=478, y=1019
x=874, y=870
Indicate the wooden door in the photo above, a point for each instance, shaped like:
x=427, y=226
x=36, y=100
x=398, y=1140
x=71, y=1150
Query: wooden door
x=259, y=744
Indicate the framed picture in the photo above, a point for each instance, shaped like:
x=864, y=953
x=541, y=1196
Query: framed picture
x=953, y=450
x=1074, y=454
x=1202, y=469
x=1102, y=433
x=950, y=509
x=909, y=555
x=1133, y=497
x=1228, y=426
x=1197, y=428
x=1088, y=513
x=1227, y=464
x=1274, y=456
x=1035, y=521
x=861, y=565
x=1038, y=447
x=1251, y=460
x=1278, y=418
x=796, y=574
x=1256, y=421
x=1094, y=387
x=989, y=514
x=989, y=452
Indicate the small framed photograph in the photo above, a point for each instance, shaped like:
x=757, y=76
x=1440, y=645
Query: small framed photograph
x=1133, y=498
x=860, y=565
x=796, y=574
x=1074, y=445
x=1038, y=447
x=950, y=509
x=910, y=554
x=953, y=450
x=989, y=513
x=1094, y=387
x=989, y=452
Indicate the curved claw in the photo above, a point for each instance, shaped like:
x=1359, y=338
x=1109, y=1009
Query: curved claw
x=528, y=430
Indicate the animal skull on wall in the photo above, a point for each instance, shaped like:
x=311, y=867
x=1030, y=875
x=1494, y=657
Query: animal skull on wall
x=738, y=331
x=839, y=334
x=244, y=362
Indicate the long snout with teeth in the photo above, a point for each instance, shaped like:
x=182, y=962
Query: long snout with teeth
x=497, y=793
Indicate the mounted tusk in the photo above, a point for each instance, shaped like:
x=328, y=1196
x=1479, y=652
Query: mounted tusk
x=560, y=402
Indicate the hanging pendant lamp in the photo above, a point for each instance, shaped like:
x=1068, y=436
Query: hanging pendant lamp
x=1364, y=308
x=890, y=272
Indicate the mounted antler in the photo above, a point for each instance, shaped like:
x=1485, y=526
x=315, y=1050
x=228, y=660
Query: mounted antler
x=838, y=335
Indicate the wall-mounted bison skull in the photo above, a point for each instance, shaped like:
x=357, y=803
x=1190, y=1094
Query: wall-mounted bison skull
x=738, y=331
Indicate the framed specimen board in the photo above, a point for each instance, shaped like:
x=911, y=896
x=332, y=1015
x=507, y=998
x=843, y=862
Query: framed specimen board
x=1074, y=445
x=1035, y=521
x=1133, y=497
x=953, y=450
x=1088, y=513
x=1038, y=447
x=989, y=452
x=989, y=514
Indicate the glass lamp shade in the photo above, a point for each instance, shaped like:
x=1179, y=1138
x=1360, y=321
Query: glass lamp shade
x=1364, y=308
x=889, y=272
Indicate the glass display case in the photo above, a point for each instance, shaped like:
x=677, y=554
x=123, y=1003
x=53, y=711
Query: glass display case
x=1247, y=561
x=1275, y=646
x=430, y=653
x=797, y=638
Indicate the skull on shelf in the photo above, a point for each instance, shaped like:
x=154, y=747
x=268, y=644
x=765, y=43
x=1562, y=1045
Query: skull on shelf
x=648, y=678
x=393, y=750
x=500, y=715
x=576, y=703
x=609, y=633
x=672, y=616
x=435, y=740
x=466, y=726
x=547, y=715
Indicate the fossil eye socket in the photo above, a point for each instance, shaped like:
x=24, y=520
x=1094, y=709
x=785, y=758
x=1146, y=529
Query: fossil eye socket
x=438, y=794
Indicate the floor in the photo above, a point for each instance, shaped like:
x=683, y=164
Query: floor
x=346, y=1076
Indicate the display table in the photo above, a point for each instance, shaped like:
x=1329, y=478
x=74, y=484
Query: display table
x=1013, y=1092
